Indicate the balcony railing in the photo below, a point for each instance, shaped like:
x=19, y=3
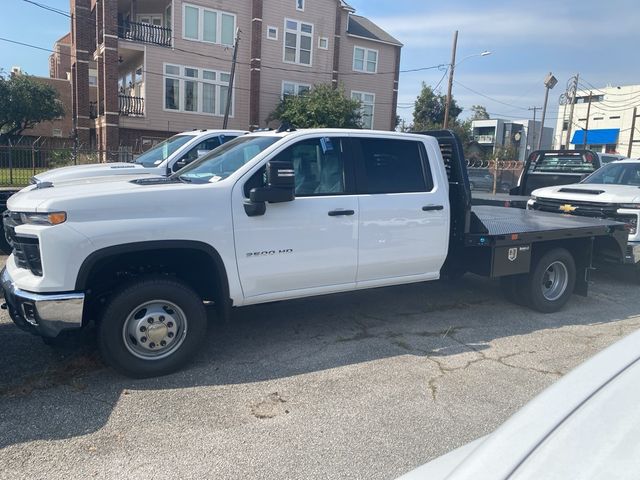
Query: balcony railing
x=484, y=138
x=131, y=106
x=145, y=33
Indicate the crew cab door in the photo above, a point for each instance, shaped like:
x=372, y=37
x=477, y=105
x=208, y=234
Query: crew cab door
x=308, y=245
x=404, y=211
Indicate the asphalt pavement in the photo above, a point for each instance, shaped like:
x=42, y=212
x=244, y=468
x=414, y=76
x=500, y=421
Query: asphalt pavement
x=365, y=385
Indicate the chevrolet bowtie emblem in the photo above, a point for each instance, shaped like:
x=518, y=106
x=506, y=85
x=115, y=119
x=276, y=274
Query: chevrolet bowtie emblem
x=567, y=208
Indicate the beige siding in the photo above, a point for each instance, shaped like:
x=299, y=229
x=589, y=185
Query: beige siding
x=274, y=71
x=380, y=84
x=202, y=56
x=319, y=13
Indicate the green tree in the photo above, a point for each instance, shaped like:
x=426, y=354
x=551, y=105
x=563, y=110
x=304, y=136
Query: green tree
x=428, y=113
x=322, y=107
x=25, y=102
x=479, y=112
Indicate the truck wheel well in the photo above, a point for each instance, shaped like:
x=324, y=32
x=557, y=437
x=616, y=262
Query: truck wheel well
x=199, y=267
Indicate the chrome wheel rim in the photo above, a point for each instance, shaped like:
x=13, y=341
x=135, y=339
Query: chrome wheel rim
x=555, y=281
x=154, y=330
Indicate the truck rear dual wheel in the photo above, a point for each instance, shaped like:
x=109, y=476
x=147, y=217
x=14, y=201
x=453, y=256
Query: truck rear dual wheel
x=152, y=326
x=549, y=285
x=551, y=281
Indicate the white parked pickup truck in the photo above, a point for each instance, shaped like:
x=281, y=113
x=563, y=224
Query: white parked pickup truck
x=165, y=158
x=611, y=192
x=273, y=216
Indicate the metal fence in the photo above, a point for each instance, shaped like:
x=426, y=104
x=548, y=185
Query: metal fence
x=495, y=176
x=19, y=164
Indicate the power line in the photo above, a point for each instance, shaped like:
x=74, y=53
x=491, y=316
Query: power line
x=488, y=97
x=49, y=8
x=591, y=86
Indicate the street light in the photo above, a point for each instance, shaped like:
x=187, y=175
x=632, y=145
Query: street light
x=549, y=82
x=452, y=67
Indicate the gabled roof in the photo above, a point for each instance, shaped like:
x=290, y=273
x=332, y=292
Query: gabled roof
x=346, y=6
x=365, y=28
x=65, y=39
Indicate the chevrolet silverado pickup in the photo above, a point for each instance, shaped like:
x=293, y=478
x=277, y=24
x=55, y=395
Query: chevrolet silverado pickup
x=273, y=216
x=612, y=192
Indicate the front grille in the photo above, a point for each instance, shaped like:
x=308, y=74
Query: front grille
x=26, y=250
x=573, y=207
x=607, y=211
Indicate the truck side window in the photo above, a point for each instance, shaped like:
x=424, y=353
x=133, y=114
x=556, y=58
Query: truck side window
x=319, y=166
x=205, y=145
x=395, y=166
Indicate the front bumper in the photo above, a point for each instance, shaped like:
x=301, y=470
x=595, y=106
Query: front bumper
x=45, y=314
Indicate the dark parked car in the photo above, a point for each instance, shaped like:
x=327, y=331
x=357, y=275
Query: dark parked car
x=480, y=179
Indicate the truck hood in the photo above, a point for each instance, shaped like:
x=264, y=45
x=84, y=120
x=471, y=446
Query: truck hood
x=73, y=194
x=92, y=170
x=591, y=192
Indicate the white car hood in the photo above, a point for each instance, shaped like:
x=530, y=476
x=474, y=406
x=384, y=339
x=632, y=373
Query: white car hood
x=92, y=170
x=35, y=199
x=610, y=193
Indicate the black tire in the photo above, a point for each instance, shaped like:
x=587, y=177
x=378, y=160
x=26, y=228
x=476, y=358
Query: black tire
x=119, y=353
x=534, y=288
x=513, y=289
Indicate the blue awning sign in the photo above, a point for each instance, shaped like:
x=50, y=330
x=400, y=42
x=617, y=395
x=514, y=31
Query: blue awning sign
x=601, y=136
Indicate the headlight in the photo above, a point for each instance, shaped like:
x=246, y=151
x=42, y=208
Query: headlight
x=634, y=206
x=53, y=218
x=533, y=197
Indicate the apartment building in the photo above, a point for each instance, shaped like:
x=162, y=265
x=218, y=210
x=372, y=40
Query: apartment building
x=522, y=135
x=611, y=127
x=164, y=66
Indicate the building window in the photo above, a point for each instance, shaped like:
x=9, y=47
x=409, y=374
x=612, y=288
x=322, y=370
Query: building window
x=57, y=132
x=272, y=33
x=207, y=25
x=365, y=60
x=298, y=39
x=294, y=88
x=300, y=5
x=367, y=103
x=196, y=90
x=323, y=43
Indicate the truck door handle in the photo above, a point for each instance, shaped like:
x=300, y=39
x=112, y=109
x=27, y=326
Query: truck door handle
x=335, y=213
x=430, y=208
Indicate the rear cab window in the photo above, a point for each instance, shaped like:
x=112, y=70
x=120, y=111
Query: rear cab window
x=393, y=166
x=563, y=163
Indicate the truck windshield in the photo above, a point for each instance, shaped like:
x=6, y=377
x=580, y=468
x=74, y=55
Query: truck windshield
x=616, y=174
x=224, y=160
x=158, y=154
x=554, y=163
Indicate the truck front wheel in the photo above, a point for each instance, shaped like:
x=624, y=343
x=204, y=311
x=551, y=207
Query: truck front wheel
x=152, y=326
x=551, y=281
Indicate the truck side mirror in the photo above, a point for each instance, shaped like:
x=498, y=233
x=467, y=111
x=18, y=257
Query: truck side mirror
x=281, y=185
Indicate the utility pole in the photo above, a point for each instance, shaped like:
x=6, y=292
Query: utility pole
x=573, y=92
x=231, y=77
x=452, y=67
x=633, y=129
x=586, y=128
x=533, y=139
x=549, y=82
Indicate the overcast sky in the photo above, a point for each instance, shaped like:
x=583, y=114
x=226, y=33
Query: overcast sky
x=601, y=40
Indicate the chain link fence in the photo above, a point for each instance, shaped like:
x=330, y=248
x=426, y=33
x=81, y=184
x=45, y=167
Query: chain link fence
x=19, y=163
